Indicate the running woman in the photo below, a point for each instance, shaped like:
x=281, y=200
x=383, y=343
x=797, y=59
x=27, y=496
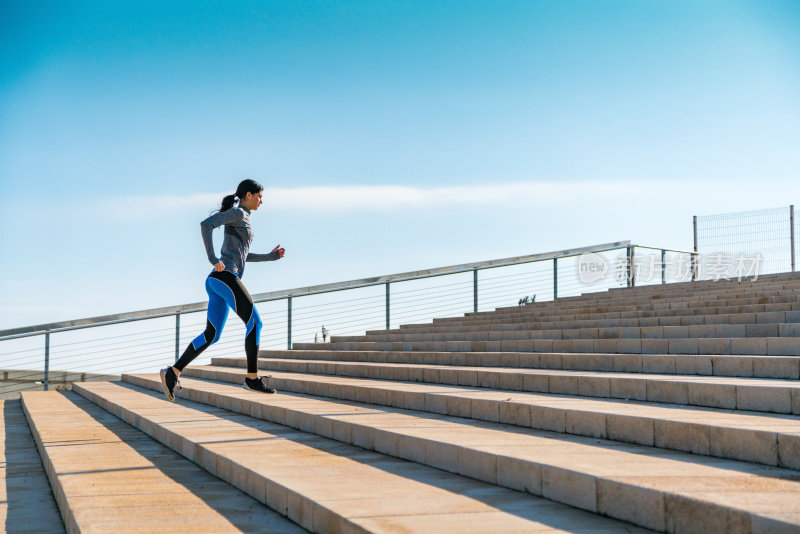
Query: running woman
x=225, y=288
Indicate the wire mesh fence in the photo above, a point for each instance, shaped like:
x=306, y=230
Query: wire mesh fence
x=144, y=346
x=747, y=243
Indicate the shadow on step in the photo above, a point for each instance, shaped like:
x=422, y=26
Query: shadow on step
x=29, y=500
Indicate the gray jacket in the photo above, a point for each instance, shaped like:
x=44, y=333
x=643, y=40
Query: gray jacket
x=236, y=243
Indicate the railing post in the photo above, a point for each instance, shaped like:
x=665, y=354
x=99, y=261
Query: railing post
x=387, y=306
x=630, y=267
x=46, y=360
x=289, y=323
x=475, y=290
x=694, y=256
x=555, y=278
x=663, y=266
x=177, y=336
x=791, y=232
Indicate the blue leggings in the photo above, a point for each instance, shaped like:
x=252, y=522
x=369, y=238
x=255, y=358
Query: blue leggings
x=226, y=291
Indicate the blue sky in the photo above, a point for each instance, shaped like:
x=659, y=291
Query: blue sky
x=390, y=136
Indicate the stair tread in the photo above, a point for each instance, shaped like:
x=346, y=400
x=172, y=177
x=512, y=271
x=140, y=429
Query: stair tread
x=772, y=346
x=582, y=324
x=794, y=385
x=500, y=330
x=743, y=393
x=299, y=354
x=111, y=475
x=773, y=491
x=668, y=412
x=352, y=487
x=605, y=313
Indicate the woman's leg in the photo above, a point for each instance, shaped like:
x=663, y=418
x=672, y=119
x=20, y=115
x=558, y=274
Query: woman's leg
x=252, y=340
x=215, y=322
x=231, y=288
x=228, y=289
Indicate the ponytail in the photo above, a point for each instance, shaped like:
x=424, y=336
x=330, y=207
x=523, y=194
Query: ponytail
x=227, y=202
x=245, y=186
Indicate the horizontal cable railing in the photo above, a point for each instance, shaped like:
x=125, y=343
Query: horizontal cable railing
x=102, y=348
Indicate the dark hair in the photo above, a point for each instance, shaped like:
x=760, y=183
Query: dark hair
x=245, y=186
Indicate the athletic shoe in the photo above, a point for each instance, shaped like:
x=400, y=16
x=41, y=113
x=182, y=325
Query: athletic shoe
x=169, y=383
x=257, y=385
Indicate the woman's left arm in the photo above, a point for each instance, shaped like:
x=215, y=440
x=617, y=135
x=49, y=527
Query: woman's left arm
x=276, y=254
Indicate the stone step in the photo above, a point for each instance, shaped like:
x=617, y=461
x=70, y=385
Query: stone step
x=671, y=318
x=691, y=290
x=662, y=299
x=749, y=436
x=784, y=330
x=769, y=280
x=589, y=321
x=329, y=486
x=703, y=287
x=649, y=304
x=663, y=303
x=768, y=346
x=662, y=490
x=688, y=289
x=625, y=312
x=778, y=279
x=695, y=290
x=686, y=364
x=110, y=477
x=753, y=394
x=26, y=500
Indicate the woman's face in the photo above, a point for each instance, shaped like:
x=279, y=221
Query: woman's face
x=252, y=201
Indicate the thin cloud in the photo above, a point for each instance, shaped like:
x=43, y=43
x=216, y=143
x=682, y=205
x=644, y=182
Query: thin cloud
x=375, y=198
x=389, y=198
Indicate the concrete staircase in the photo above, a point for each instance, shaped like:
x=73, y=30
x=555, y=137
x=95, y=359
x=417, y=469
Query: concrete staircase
x=670, y=408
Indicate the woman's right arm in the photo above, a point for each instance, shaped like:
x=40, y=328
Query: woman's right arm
x=230, y=216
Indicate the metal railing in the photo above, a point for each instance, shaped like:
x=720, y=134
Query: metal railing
x=500, y=289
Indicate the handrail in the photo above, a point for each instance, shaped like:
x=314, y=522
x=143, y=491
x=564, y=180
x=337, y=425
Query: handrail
x=154, y=313
x=668, y=250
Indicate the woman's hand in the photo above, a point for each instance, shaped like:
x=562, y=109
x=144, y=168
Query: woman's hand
x=219, y=266
x=281, y=251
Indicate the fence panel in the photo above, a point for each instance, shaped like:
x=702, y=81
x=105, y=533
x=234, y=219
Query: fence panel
x=745, y=243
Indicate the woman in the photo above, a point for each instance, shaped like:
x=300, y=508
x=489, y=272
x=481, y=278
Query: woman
x=225, y=288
